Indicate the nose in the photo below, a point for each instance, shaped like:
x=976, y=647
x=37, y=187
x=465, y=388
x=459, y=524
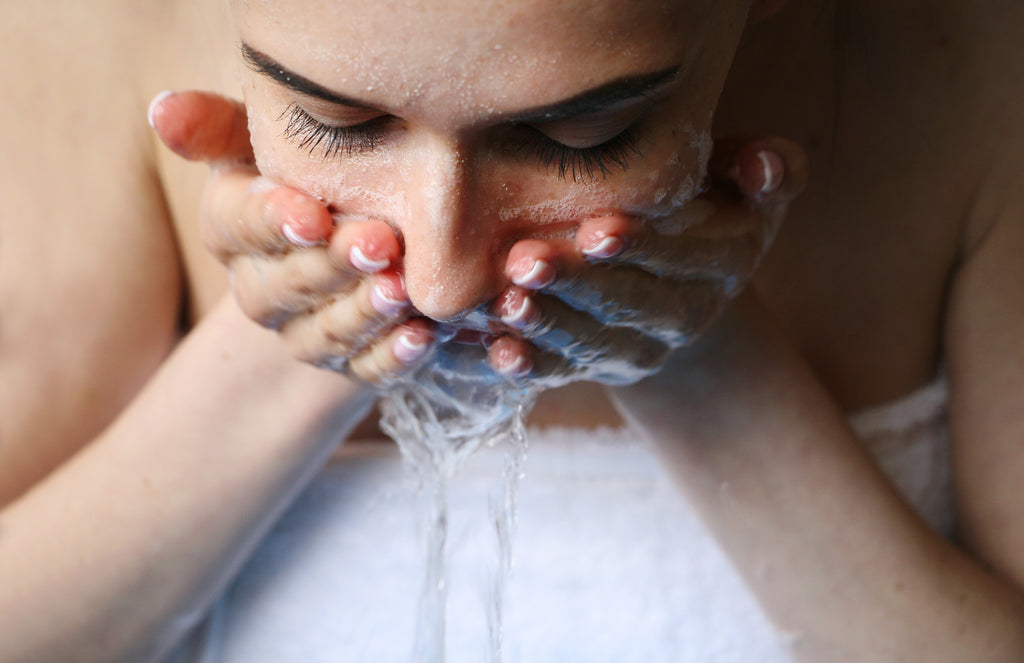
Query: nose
x=452, y=262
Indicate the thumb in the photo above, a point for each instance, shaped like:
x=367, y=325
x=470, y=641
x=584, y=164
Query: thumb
x=202, y=126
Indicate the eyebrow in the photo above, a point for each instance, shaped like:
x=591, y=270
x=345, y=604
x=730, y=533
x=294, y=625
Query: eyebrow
x=264, y=64
x=587, y=102
x=600, y=98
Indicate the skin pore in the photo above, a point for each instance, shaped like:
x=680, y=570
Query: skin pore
x=521, y=125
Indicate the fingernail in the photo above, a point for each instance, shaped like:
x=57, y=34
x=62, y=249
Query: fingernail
x=535, y=275
x=384, y=303
x=518, y=368
x=295, y=239
x=407, y=350
x=522, y=316
x=363, y=263
x=774, y=169
x=608, y=247
x=153, y=104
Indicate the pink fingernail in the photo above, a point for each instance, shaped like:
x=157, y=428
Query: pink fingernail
x=294, y=237
x=523, y=316
x=363, y=263
x=534, y=276
x=407, y=350
x=773, y=170
x=609, y=247
x=385, y=304
x=151, y=111
x=518, y=368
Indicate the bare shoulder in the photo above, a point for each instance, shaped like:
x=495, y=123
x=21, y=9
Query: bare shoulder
x=995, y=108
x=89, y=276
x=985, y=321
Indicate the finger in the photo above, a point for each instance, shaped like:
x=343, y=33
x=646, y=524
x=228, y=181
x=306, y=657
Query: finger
x=512, y=357
x=202, y=126
x=554, y=325
x=273, y=289
x=721, y=241
x=518, y=359
x=764, y=169
x=350, y=323
x=247, y=214
x=365, y=245
x=515, y=358
x=400, y=351
x=672, y=311
x=670, y=308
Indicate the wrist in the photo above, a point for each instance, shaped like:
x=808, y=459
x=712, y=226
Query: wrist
x=259, y=377
x=711, y=389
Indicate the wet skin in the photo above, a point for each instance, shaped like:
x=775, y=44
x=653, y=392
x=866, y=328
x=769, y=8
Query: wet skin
x=513, y=159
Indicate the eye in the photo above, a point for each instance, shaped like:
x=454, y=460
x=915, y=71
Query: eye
x=578, y=163
x=314, y=136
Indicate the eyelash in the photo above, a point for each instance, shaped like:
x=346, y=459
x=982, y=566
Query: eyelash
x=595, y=162
x=312, y=135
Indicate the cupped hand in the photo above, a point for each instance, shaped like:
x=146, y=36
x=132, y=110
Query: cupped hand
x=329, y=289
x=612, y=303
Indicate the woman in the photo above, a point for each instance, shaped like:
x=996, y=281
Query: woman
x=898, y=261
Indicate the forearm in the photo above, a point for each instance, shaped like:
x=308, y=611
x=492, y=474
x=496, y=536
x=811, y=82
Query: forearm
x=834, y=555
x=108, y=557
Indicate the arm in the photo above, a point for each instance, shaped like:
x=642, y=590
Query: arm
x=836, y=558
x=762, y=451
x=132, y=484
x=832, y=552
x=123, y=546
x=985, y=334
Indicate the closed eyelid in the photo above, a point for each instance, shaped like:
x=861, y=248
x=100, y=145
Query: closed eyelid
x=334, y=115
x=595, y=128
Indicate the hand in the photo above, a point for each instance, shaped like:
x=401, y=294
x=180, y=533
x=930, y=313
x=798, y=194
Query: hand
x=332, y=292
x=612, y=303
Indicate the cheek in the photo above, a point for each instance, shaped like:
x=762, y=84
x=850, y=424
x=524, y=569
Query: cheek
x=673, y=178
x=656, y=186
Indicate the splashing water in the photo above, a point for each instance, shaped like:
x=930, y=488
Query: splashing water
x=438, y=417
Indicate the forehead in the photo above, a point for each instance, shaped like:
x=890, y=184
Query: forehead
x=475, y=54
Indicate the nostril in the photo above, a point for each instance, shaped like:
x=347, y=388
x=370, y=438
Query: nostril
x=461, y=304
x=448, y=274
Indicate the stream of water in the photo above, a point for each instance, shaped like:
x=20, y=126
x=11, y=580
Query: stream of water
x=438, y=417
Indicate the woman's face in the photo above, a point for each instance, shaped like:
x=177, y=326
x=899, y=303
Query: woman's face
x=470, y=125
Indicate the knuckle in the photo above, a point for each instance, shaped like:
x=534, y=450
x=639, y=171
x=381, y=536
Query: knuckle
x=371, y=367
x=216, y=239
x=330, y=328
x=298, y=285
x=336, y=363
x=299, y=347
x=252, y=304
